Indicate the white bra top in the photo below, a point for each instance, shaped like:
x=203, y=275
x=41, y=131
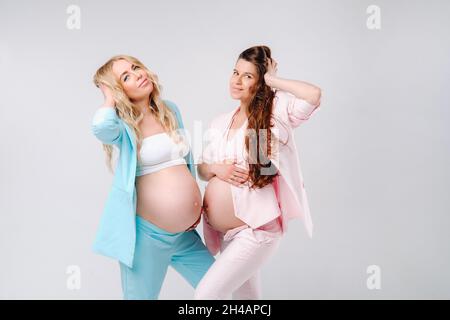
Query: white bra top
x=159, y=151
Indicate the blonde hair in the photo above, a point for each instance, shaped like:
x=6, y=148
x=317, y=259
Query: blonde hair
x=128, y=111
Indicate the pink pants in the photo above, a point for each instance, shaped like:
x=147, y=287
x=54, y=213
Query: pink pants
x=236, y=270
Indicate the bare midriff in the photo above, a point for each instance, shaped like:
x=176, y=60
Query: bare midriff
x=219, y=206
x=169, y=198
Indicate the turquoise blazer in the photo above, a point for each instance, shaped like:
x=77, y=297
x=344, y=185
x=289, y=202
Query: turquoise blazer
x=116, y=234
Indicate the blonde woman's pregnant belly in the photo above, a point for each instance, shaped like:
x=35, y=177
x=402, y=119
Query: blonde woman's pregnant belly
x=169, y=198
x=218, y=203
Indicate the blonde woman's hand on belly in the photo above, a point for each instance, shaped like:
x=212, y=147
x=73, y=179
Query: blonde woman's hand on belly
x=218, y=202
x=169, y=198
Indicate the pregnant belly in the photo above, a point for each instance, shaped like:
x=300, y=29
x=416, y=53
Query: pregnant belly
x=169, y=198
x=218, y=202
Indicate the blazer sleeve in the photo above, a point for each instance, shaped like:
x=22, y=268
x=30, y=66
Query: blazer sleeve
x=293, y=110
x=107, y=126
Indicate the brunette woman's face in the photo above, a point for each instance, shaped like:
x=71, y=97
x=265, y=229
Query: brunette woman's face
x=243, y=81
x=133, y=78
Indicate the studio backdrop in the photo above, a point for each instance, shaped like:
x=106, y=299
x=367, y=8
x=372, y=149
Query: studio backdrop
x=374, y=158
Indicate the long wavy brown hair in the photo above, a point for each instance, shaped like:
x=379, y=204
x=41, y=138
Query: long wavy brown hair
x=261, y=170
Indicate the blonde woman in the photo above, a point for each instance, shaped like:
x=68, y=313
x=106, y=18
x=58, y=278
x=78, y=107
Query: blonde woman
x=154, y=204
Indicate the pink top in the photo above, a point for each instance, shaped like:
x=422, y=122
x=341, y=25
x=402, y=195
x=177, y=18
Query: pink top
x=255, y=206
x=287, y=194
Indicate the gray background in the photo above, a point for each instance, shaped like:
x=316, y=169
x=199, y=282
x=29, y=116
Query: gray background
x=374, y=158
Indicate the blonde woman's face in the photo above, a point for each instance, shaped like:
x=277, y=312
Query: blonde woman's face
x=243, y=81
x=133, y=78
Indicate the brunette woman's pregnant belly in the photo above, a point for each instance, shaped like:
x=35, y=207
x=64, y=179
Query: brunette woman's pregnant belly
x=218, y=202
x=169, y=198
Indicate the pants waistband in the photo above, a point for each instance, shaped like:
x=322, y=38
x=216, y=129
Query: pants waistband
x=273, y=227
x=149, y=227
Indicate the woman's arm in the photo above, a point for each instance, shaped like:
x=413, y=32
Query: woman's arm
x=226, y=171
x=105, y=123
x=300, y=89
x=297, y=100
x=106, y=126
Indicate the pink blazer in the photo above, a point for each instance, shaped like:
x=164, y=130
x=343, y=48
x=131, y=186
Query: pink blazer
x=288, y=113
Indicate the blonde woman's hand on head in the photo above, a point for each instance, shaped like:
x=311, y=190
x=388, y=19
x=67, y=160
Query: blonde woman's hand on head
x=108, y=95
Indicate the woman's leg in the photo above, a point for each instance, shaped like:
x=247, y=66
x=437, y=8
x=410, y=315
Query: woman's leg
x=243, y=255
x=250, y=289
x=191, y=257
x=153, y=249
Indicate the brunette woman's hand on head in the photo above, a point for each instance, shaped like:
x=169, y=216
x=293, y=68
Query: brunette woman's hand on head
x=272, y=68
x=229, y=172
x=108, y=95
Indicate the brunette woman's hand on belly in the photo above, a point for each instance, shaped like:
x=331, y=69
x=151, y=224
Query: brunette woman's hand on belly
x=218, y=201
x=230, y=173
x=226, y=170
x=169, y=198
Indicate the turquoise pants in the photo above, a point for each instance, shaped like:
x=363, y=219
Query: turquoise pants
x=155, y=250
